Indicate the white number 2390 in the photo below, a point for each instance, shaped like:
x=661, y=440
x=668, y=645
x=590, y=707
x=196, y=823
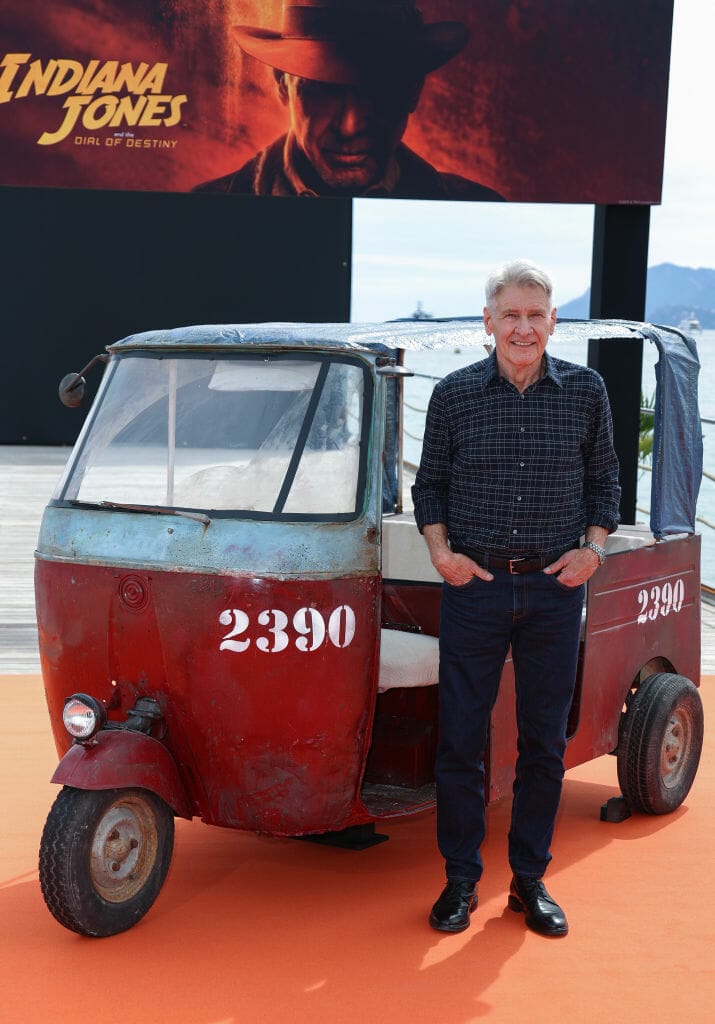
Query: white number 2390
x=660, y=599
x=307, y=630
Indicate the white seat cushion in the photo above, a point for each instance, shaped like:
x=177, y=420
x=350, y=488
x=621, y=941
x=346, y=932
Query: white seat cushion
x=407, y=659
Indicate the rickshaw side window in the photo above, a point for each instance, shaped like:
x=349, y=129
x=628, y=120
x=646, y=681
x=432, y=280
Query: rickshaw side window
x=275, y=435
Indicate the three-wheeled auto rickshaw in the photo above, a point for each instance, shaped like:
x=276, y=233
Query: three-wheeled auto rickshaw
x=238, y=621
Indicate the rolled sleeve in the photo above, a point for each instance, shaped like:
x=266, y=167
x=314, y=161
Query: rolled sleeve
x=602, y=490
x=431, y=488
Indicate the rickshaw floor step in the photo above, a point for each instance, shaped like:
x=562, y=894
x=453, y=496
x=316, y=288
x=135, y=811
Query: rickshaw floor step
x=385, y=801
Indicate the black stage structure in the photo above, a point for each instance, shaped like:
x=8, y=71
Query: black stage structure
x=83, y=268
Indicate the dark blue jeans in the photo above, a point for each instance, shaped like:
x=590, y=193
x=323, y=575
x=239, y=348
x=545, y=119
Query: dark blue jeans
x=541, y=619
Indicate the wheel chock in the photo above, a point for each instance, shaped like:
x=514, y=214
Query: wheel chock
x=616, y=809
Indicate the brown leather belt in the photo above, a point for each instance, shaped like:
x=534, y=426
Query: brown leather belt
x=525, y=563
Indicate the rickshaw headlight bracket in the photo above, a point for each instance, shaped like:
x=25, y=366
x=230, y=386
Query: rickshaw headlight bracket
x=83, y=716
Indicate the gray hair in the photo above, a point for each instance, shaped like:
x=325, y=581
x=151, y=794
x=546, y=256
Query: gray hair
x=518, y=272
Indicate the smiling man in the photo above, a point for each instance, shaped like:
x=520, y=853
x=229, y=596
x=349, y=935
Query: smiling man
x=349, y=73
x=517, y=465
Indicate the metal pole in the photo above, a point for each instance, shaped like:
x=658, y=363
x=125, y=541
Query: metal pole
x=171, y=428
x=400, y=430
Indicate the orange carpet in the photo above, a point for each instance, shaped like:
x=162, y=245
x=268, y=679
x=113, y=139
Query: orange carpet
x=250, y=930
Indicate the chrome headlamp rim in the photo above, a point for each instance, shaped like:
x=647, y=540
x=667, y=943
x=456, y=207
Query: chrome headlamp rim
x=83, y=716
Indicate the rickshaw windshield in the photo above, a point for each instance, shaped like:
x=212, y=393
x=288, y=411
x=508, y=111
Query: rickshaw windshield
x=279, y=434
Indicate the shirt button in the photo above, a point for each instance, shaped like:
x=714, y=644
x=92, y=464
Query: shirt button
x=514, y=531
x=521, y=463
x=522, y=397
x=519, y=498
x=522, y=429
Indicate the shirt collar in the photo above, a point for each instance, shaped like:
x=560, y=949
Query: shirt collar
x=383, y=187
x=492, y=370
x=552, y=371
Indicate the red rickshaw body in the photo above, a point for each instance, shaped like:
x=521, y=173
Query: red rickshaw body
x=237, y=621
x=268, y=734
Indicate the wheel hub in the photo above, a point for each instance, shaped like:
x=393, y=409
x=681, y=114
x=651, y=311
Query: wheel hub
x=124, y=850
x=675, y=748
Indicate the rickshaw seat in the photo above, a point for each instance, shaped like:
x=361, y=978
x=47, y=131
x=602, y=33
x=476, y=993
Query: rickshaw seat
x=412, y=659
x=405, y=555
x=407, y=659
x=628, y=537
x=404, y=552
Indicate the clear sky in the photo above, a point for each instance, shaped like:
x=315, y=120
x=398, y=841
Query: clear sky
x=440, y=253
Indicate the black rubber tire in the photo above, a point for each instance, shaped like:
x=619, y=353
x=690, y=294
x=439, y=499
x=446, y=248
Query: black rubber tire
x=104, y=855
x=659, y=743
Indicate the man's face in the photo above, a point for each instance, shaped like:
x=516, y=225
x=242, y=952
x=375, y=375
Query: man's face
x=348, y=133
x=521, y=322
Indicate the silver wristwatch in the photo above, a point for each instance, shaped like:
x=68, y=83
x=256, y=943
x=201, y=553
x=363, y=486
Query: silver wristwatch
x=601, y=552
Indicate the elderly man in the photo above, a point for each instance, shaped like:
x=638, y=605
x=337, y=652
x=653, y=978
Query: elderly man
x=350, y=73
x=517, y=465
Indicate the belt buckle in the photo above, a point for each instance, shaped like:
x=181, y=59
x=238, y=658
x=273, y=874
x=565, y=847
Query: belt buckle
x=512, y=562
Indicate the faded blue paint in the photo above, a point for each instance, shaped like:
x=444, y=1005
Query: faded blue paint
x=240, y=546
x=227, y=545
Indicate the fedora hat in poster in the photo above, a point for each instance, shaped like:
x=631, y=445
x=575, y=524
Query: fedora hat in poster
x=351, y=42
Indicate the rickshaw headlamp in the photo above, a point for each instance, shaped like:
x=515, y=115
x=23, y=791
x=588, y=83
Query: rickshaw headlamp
x=83, y=716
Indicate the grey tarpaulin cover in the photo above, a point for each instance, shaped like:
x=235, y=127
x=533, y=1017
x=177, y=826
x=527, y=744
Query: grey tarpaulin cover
x=678, y=443
x=678, y=438
x=677, y=432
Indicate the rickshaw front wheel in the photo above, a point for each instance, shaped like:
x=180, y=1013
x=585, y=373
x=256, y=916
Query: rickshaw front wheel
x=659, y=744
x=104, y=855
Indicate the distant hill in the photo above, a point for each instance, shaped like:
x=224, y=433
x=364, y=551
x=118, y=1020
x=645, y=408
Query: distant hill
x=672, y=294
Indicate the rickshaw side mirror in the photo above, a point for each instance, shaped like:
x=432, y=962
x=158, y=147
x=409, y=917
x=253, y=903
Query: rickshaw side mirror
x=73, y=385
x=71, y=390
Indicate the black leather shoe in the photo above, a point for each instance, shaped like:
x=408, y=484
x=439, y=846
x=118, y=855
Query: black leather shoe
x=543, y=915
x=451, y=911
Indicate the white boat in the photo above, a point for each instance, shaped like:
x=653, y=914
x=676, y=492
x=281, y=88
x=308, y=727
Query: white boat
x=690, y=323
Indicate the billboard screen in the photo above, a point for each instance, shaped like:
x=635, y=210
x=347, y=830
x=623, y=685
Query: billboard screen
x=523, y=100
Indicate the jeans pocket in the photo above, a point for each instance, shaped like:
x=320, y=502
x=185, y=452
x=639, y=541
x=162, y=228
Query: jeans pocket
x=565, y=586
x=460, y=587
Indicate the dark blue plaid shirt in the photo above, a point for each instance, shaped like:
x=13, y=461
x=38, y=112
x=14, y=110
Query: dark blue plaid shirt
x=518, y=474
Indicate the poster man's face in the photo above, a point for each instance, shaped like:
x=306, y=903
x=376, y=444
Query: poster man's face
x=348, y=133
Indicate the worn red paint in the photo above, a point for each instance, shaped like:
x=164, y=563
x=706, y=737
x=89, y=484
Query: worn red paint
x=272, y=741
x=116, y=760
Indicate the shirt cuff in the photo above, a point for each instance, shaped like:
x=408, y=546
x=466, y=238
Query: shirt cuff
x=605, y=524
x=429, y=513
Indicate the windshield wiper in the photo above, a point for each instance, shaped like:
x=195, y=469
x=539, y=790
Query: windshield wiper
x=158, y=510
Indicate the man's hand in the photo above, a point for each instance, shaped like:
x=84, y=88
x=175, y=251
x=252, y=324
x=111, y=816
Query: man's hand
x=455, y=569
x=574, y=567
x=459, y=569
x=579, y=564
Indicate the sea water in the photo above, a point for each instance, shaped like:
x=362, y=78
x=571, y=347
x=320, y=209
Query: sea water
x=441, y=362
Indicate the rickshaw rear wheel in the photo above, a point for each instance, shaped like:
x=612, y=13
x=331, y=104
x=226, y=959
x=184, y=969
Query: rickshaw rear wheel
x=659, y=743
x=104, y=855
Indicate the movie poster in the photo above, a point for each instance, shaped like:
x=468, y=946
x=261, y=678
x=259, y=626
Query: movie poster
x=522, y=100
